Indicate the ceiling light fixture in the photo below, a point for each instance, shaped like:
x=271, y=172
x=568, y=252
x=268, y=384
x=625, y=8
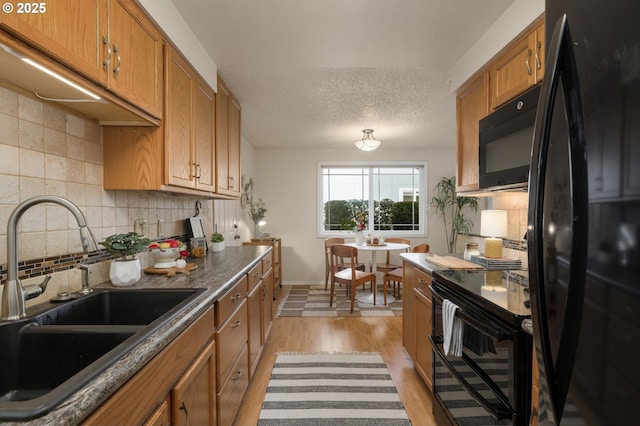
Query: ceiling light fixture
x=368, y=142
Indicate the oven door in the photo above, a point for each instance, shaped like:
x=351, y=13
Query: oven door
x=476, y=388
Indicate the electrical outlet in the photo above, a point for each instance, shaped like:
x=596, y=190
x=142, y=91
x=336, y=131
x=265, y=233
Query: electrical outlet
x=160, y=228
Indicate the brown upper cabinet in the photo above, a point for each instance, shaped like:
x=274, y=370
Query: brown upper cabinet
x=472, y=104
x=189, y=126
x=110, y=42
x=519, y=67
x=227, y=141
x=516, y=68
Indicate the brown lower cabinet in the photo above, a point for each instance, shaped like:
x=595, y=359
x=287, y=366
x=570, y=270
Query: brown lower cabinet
x=201, y=377
x=179, y=371
x=416, y=319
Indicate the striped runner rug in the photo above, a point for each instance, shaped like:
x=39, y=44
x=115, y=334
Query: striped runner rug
x=313, y=301
x=331, y=389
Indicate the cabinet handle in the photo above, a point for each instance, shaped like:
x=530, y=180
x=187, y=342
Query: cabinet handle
x=107, y=61
x=422, y=281
x=231, y=182
x=237, y=376
x=538, y=62
x=116, y=70
x=183, y=407
x=526, y=62
x=235, y=324
x=199, y=171
x=236, y=296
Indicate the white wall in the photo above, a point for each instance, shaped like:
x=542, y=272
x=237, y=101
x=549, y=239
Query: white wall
x=167, y=17
x=286, y=181
x=227, y=213
x=515, y=19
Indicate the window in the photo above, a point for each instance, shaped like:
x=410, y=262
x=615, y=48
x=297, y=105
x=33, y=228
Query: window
x=389, y=196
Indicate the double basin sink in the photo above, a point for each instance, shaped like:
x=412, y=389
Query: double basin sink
x=47, y=357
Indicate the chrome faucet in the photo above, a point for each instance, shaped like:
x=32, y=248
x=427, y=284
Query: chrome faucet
x=14, y=295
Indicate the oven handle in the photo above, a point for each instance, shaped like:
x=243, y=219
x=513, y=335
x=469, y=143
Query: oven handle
x=487, y=326
x=499, y=412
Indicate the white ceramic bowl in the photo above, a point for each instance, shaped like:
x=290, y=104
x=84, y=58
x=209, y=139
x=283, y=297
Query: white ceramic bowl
x=165, y=258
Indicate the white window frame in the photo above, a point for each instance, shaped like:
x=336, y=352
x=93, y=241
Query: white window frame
x=422, y=206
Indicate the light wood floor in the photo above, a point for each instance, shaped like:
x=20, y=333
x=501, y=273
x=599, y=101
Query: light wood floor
x=357, y=334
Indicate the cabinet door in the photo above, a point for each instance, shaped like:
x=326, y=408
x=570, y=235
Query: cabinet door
x=193, y=398
x=254, y=310
x=204, y=133
x=177, y=124
x=70, y=30
x=540, y=53
x=267, y=304
x=514, y=71
x=222, y=138
x=424, y=354
x=472, y=104
x=135, y=65
x=234, y=147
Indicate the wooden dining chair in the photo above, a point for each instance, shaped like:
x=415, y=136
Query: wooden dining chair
x=343, y=263
x=394, y=277
x=350, y=277
x=388, y=266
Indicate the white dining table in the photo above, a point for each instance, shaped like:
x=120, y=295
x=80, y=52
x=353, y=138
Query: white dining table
x=374, y=249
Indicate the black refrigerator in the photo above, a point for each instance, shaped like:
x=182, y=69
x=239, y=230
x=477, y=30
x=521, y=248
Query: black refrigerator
x=584, y=215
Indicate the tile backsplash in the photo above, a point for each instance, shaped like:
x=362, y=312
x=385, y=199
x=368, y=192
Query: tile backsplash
x=514, y=246
x=47, y=150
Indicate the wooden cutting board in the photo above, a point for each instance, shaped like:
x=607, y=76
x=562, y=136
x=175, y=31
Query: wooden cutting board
x=451, y=262
x=170, y=272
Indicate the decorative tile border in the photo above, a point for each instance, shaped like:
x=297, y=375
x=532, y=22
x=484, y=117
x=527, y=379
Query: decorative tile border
x=48, y=265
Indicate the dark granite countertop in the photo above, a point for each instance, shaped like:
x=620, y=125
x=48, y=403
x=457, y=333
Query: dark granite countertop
x=217, y=272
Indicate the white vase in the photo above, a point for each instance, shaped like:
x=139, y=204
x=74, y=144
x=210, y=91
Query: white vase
x=359, y=238
x=257, y=232
x=124, y=273
x=217, y=246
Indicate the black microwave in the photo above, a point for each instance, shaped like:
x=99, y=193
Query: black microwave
x=505, y=138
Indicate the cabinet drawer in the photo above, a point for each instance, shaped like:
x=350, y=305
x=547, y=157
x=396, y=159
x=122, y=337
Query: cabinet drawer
x=254, y=275
x=423, y=281
x=230, y=339
x=232, y=392
x=267, y=262
x=230, y=301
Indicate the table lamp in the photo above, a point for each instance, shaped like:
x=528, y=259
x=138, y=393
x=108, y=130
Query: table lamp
x=493, y=224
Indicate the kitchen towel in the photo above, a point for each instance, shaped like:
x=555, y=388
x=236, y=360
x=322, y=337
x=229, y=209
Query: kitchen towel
x=451, y=328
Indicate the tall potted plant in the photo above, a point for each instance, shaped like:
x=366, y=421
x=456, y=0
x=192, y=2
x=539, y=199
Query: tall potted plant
x=124, y=248
x=452, y=209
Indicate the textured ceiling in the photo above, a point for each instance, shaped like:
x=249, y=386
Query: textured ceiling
x=312, y=73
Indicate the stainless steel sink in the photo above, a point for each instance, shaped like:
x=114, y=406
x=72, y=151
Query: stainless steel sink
x=47, y=357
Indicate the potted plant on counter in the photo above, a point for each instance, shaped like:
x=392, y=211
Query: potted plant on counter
x=217, y=240
x=124, y=248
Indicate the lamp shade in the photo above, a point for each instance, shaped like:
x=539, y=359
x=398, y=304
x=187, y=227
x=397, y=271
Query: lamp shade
x=368, y=142
x=493, y=223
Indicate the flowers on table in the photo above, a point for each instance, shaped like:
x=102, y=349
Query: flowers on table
x=360, y=221
x=257, y=210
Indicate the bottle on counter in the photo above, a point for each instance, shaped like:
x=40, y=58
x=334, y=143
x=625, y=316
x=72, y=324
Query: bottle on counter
x=471, y=249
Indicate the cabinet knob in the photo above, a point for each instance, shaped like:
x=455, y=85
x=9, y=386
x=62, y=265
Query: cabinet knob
x=183, y=407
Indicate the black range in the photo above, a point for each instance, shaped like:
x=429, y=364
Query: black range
x=490, y=383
